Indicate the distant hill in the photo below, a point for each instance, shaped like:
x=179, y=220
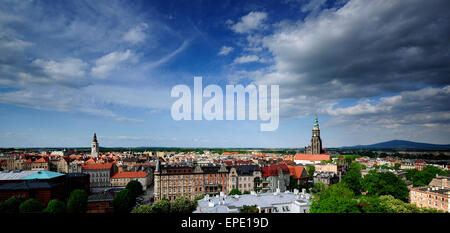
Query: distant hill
x=400, y=144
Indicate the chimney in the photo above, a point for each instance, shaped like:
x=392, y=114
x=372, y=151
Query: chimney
x=303, y=191
x=210, y=204
x=295, y=191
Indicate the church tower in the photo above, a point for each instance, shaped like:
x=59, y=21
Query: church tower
x=316, y=142
x=94, y=147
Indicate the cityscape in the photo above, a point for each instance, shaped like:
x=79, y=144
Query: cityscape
x=181, y=180
x=196, y=108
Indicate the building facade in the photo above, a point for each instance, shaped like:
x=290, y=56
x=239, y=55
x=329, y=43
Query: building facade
x=173, y=181
x=244, y=177
x=100, y=173
x=430, y=197
x=275, y=177
x=121, y=179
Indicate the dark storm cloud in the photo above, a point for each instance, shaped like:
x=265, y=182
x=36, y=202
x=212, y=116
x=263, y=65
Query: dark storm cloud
x=363, y=49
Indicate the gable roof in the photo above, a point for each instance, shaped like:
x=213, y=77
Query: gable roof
x=297, y=172
x=41, y=160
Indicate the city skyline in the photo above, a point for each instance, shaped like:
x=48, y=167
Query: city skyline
x=372, y=71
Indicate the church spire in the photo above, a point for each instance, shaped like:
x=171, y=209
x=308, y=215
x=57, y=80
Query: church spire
x=94, y=146
x=316, y=123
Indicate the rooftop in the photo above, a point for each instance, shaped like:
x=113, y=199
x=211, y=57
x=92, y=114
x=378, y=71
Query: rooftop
x=226, y=204
x=28, y=175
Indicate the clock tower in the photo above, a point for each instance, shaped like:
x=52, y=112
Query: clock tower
x=94, y=147
x=316, y=142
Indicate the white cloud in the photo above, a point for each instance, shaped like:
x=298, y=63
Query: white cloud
x=362, y=50
x=251, y=22
x=68, y=67
x=225, y=50
x=246, y=59
x=425, y=107
x=110, y=62
x=129, y=120
x=136, y=34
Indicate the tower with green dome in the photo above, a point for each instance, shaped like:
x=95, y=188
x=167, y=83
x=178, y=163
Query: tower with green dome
x=316, y=142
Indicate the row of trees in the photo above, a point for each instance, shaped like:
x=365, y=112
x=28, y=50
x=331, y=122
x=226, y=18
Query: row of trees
x=123, y=202
x=77, y=203
x=180, y=205
x=424, y=177
x=340, y=199
x=377, y=192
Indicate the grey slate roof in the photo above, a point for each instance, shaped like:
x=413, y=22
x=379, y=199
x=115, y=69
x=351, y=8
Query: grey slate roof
x=223, y=204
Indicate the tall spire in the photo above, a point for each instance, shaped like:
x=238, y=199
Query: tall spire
x=316, y=123
x=95, y=138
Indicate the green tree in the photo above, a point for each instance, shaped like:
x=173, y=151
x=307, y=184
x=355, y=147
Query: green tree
x=249, y=209
x=135, y=188
x=161, y=206
x=143, y=209
x=77, y=203
x=234, y=192
x=55, y=206
x=31, y=206
x=310, y=169
x=370, y=204
x=335, y=199
x=182, y=205
x=389, y=204
x=397, y=166
x=410, y=174
x=197, y=198
x=246, y=192
x=352, y=179
x=320, y=187
x=385, y=183
x=11, y=206
x=293, y=184
x=124, y=201
x=424, y=177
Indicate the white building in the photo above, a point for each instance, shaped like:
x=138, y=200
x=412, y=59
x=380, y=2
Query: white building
x=277, y=202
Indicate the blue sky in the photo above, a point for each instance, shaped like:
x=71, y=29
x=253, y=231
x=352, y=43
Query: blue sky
x=371, y=70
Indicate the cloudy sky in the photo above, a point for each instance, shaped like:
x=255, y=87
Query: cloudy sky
x=371, y=70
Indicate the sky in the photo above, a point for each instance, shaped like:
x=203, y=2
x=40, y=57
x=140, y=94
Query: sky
x=371, y=70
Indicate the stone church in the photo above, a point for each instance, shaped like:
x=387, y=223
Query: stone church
x=316, y=142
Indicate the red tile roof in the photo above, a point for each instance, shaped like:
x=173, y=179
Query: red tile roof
x=140, y=174
x=41, y=160
x=97, y=166
x=273, y=170
x=91, y=160
x=312, y=157
x=297, y=172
